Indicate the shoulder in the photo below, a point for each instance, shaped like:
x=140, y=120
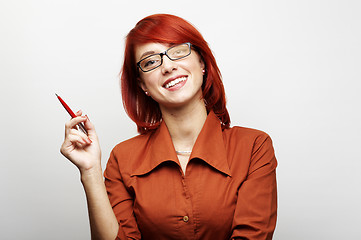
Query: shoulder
x=125, y=156
x=244, y=134
x=131, y=144
x=129, y=150
x=246, y=139
x=249, y=148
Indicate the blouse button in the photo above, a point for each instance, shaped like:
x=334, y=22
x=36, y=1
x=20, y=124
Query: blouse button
x=185, y=218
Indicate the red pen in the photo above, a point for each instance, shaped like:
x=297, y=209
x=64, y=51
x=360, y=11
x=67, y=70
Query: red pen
x=67, y=108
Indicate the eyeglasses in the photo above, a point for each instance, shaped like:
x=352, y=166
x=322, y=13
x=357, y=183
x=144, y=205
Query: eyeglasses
x=155, y=60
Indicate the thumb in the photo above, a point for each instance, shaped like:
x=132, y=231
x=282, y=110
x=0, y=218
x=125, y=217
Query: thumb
x=89, y=126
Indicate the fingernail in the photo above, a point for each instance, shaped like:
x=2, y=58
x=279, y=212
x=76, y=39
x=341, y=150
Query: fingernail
x=87, y=117
x=90, y=141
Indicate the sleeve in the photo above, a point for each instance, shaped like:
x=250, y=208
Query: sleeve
x=121, y=201
x=256, y=208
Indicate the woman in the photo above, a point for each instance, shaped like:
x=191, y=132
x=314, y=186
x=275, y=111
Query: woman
x=188, y=175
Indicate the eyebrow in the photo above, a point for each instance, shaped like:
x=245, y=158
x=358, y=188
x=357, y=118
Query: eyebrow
x=146, y=53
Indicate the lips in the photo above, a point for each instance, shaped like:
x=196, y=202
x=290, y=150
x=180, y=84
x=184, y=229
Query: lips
x=174, y=81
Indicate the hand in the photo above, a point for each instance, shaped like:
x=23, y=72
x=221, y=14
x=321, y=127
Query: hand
x=82, y=150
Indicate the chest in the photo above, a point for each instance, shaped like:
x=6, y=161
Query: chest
x=197, y=205
x=183, y=160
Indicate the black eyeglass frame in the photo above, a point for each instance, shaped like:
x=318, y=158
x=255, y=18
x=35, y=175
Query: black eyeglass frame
x=164, y=53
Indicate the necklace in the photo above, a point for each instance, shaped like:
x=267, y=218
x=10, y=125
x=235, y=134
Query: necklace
x=183, y=152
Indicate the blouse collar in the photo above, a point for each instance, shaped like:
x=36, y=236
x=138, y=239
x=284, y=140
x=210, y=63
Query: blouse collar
x=208, y=147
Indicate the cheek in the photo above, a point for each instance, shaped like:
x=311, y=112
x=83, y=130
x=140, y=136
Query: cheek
x=150, y=79
x=193, y=67
x=197, y=71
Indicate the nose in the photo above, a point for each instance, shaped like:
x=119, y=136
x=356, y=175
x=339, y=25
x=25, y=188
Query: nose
x=168, y=65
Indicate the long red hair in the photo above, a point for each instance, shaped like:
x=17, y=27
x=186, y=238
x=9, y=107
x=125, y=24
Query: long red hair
x=168, y=29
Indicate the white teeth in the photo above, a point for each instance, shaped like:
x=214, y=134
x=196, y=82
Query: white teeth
x=175, y=81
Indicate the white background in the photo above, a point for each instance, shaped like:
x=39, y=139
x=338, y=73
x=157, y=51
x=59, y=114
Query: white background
x=290, y=68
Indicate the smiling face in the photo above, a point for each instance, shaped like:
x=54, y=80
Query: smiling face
x=174, y=83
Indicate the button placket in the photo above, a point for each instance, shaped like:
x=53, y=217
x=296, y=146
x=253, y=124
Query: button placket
x=186, y=217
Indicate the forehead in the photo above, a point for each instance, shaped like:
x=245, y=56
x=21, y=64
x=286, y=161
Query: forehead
x=149, y=48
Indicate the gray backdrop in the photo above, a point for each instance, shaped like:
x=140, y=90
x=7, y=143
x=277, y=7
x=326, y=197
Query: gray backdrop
x=290, y=68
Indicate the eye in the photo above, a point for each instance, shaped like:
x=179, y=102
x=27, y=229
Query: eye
x=179, y=52
x=149, y=63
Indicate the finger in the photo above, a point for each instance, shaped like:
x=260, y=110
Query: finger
x=89, y=126
x=81, y=135
x=79, y=113
x=72, y=142
x=71, y=124
x=77, y=140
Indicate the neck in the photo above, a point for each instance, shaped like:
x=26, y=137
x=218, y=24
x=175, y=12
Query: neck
x=184, y=124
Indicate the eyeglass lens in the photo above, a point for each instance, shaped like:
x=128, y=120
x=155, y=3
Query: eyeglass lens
x=174, y=53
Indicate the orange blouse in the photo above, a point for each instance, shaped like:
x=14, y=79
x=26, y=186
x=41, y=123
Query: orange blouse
x=228, y=190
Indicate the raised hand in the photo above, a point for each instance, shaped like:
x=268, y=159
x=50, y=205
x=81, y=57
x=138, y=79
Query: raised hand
x=82, y=150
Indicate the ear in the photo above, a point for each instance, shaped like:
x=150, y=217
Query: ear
x=141, y=84
x=203, y=66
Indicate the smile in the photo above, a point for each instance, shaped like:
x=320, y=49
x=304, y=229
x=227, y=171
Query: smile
x=175, y=82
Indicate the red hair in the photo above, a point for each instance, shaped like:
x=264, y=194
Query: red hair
x=168, y=29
